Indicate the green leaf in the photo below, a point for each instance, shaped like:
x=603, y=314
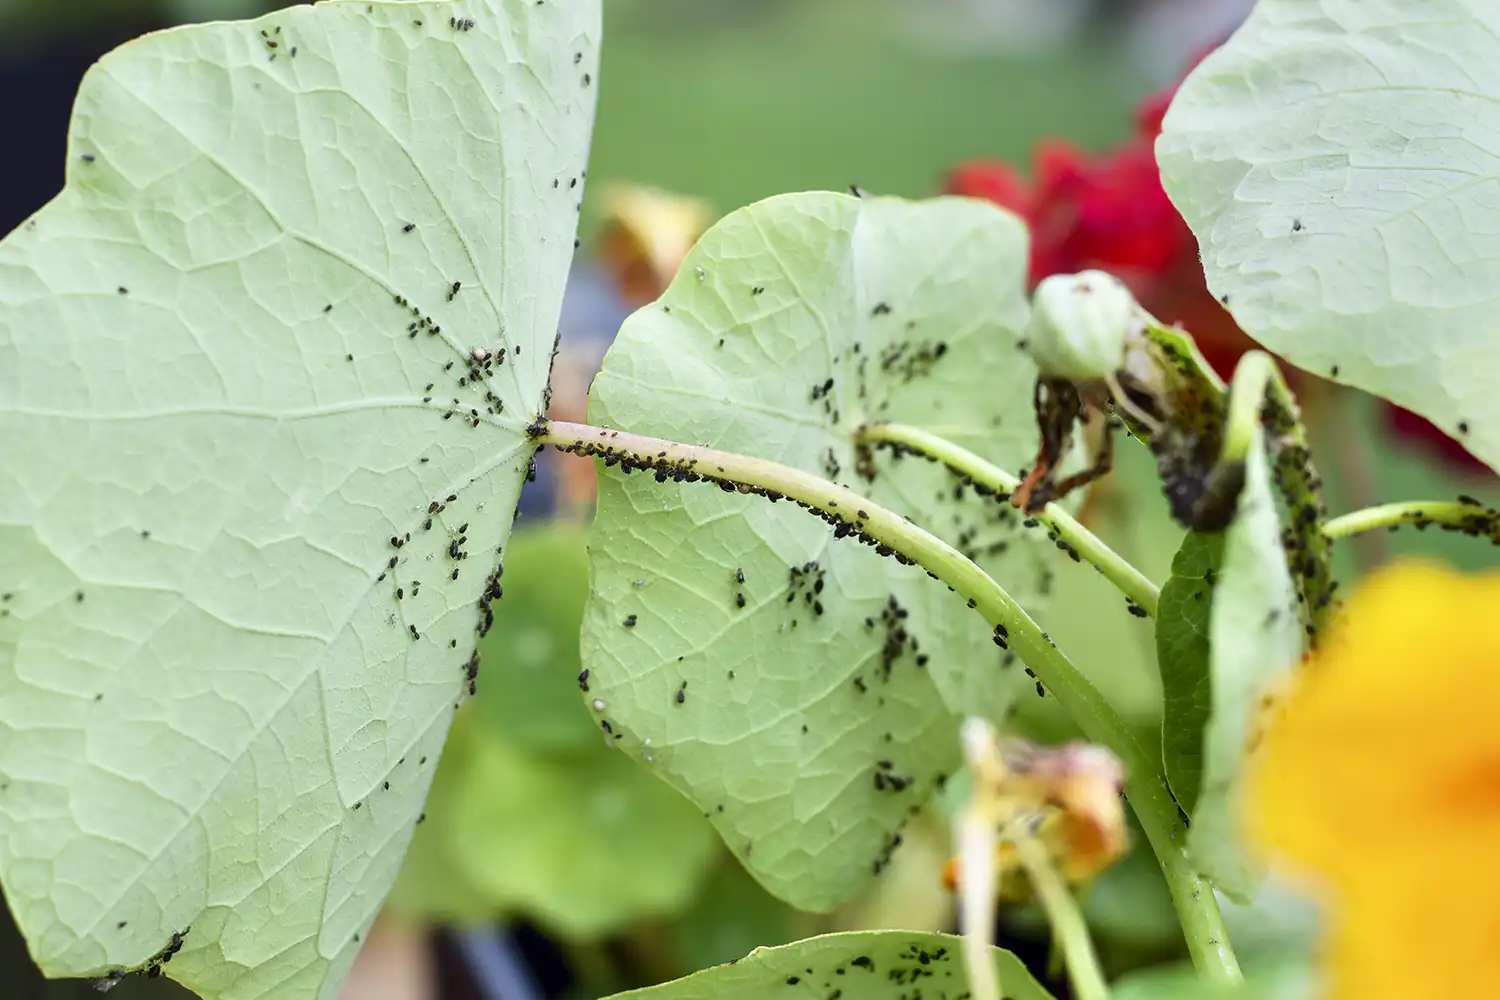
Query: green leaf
x=431, y=887
x=785, y=718
x=732, y=917
x=869, y=965
x=533, y=697
x=1280, y=980
x=1343, y=216
x=212, y=705
x=582, y=843
x=1182, y=653
x=1255, y=638
x=538, y=816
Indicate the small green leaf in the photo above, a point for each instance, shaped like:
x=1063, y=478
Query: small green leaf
x=1182, y=653
x=1337, y=164
x=1255, y=640
x=531, y=681
x=810, y=707
x=868, y=965
x=232, y=350
x=582, y=843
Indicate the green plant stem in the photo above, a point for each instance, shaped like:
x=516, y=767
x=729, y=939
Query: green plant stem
x=1068, y=925
x=1469, y=518
x=854, y=515
x=1130, y=581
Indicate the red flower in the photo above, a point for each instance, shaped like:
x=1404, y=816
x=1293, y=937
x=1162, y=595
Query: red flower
x=1109, y=211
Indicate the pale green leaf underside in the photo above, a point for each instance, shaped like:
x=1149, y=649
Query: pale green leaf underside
x=911, y=312
x=1182, y=655
x=868, y=965
x=1339, y=161
x=1255, y=638
x=214, y=421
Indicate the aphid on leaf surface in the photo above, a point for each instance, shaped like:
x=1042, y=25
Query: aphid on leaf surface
x=408, y=227
x=629, y=621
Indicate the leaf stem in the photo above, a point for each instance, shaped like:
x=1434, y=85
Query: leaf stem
x=1067, y=921
x=1465, y=515
x=853, y=515
x=1130, y=581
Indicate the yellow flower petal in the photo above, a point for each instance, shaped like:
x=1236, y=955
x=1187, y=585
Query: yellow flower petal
x=1380, y=780
x=646, y=235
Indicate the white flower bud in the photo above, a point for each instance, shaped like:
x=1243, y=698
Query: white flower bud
x=1080, y=324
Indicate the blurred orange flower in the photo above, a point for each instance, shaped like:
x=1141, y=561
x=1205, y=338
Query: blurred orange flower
x=647, y=232
x=1380, y=781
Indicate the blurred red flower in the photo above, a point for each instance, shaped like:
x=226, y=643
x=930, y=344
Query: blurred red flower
x=1109, y=211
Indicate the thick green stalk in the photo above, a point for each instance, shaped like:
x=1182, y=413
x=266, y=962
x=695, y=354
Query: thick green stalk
x=854, y=515
x=1130, y=581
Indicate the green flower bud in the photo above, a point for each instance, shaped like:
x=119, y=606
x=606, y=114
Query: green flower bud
x=1080, y=324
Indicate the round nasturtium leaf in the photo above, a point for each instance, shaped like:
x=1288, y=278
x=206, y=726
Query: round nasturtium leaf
x=803, y=690
x=254, y=483
x=1338, y=162
x=870, y=965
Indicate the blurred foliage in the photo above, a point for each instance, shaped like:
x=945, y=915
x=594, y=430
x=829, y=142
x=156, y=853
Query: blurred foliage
x=546, y=822
x=531, y=815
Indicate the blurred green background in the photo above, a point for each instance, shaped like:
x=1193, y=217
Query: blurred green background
x=735, y=100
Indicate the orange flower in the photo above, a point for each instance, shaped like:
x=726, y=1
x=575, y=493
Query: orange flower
x=1380, y=781
x=646, y=234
